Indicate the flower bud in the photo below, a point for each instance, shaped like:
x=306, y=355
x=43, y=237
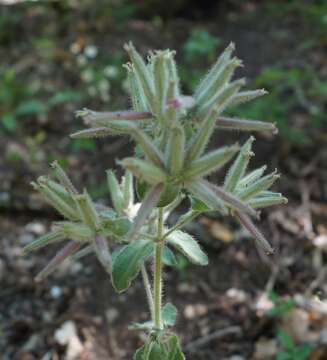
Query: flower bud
x=264, y=201
x=63, y=177
x=144, y=170
x=251, y=177
x=44, y=240
x=175, y=150
x=210, y=162
x=201, y=138
x=215, y=71
x=142, y=73
x=257, y=186
x=204, y=193
x=59, y=258
x=254, y=231
x=75, y=231
x=92, y=133
x=222, y=99
x=237, y=170
x=116, y=194
x=245, y=96
x=221, y=80
x=128, y=189
x=245, y=125
x=87, y=211
x=57, y=201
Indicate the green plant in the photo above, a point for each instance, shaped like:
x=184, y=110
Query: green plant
x=18, y=99
x=170, y=164
x=291, y=351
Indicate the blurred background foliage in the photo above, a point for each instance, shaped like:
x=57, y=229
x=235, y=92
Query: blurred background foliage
x=60, y=56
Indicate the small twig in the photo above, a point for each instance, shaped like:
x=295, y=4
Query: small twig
x=196, y=344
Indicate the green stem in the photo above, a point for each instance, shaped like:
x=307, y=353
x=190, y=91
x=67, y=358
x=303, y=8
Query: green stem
x=157, y=286
x=147, y=287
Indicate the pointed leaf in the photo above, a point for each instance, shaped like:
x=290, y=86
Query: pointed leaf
x=210, y=162
x=245, y=125
x=115, y=190
x=245, y=96
x=144, y=170
x=59, y=258
x=168, y=257
x=92, y=133
x=215, y=71
x=255, y=232
x=256, y=187
x=188, y=247
x=206, y=195
x=175, y=150
x=126, y=264
x=44, y=240
x=169, y=314
x=63, y=178
x=237, y=170
x=231, y=200
x=201, y=138
x=251, y=177
x=102, y=252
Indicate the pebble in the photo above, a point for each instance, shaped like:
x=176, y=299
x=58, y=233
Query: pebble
x=55, y=292
x=36, y=228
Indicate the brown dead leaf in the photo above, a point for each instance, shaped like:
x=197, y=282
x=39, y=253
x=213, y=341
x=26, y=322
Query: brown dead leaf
x=221, y=232
x=297, y=324
x=265, y=349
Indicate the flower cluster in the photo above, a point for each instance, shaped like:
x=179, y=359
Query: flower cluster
x=171, y=162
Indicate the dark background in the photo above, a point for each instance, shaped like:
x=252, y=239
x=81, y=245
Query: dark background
x=58, y=57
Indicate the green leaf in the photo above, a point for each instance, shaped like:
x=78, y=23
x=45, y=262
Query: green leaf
x=168, y=349
x=175, y=352
x=9, y=122
x=126, y=264
x=281, y=308
x=30, y=107
x=169, y=314
x=188, y=246
x=119, y=226
x=286, y=340
x=168, y=257
x=198, y=205
x=64, y=97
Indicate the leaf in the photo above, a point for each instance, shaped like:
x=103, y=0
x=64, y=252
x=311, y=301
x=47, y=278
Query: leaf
x=160, y=350
x=64, y=97
x=58, y=259
x=9, y=121
x=119, y=226
x=198, y=205
x=175, y=352
x=102, y=252
x=169, y=314
x=30, y=107
x=168, y=257
x=286, y=340
x=44, y=240
x=126, y=264
x=188, y=246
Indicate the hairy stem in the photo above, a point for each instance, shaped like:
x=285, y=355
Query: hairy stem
x=157, y=286
x=148, y=292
